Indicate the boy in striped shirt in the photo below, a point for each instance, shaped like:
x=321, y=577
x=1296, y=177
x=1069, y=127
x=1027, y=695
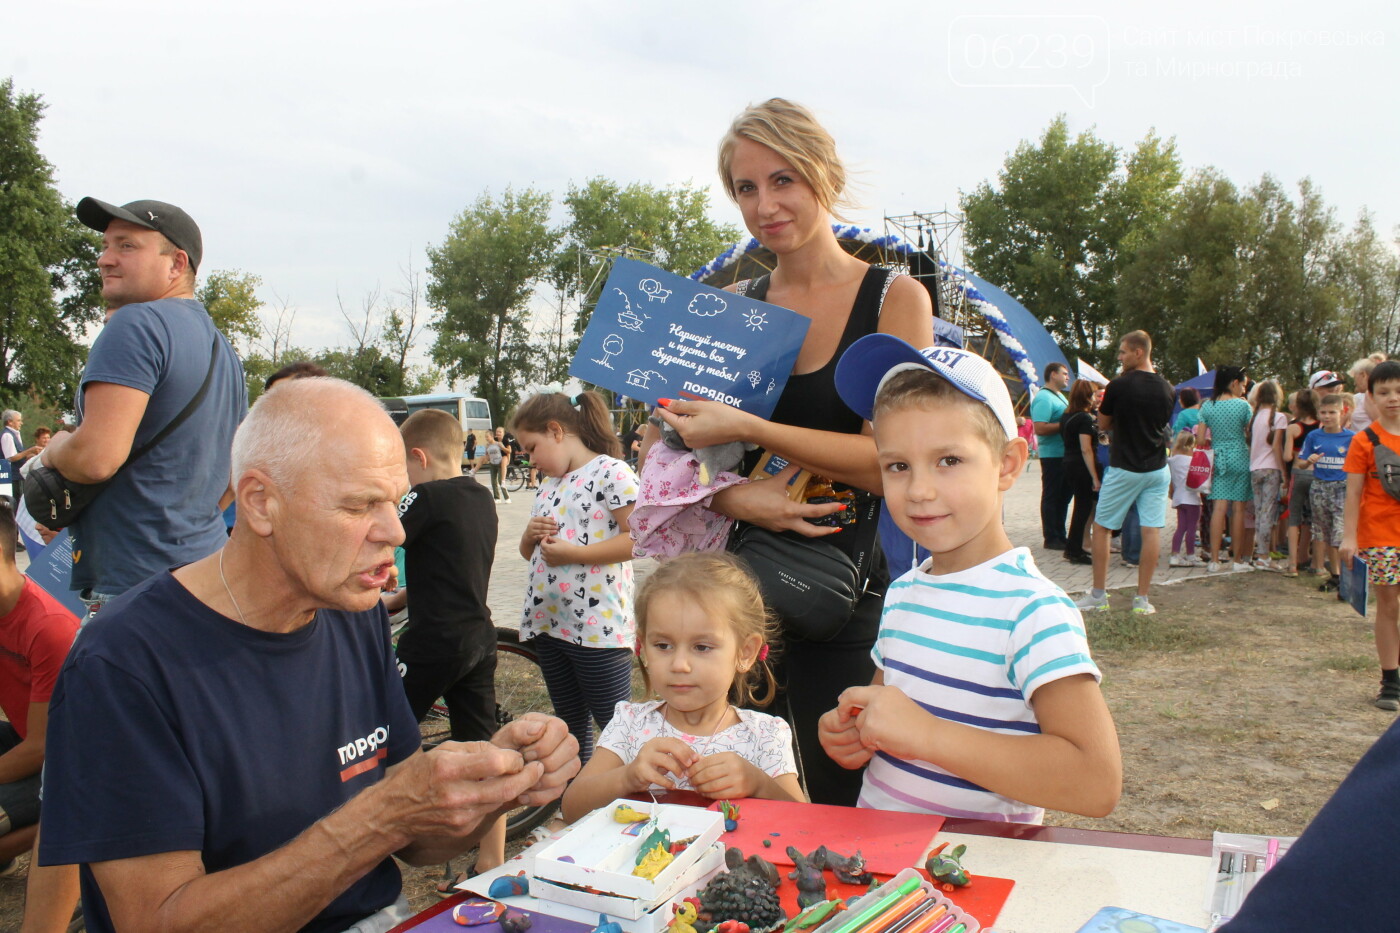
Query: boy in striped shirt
x=985, y=702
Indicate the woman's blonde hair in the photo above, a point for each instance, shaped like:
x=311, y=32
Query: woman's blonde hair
x=790, y=130
x=721, y=585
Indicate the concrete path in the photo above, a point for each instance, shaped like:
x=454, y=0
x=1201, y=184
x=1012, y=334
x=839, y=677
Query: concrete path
x=1022, y=511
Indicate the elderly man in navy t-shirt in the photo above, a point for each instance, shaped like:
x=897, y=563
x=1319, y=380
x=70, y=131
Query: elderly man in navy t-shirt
x=230, y=745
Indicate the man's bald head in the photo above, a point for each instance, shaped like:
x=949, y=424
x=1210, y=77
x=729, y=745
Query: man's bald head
x=293, y=425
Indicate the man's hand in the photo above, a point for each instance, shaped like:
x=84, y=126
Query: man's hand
x=658, y=761
x=840, y=738
x=450, y=790
x=726, y=776
x=546, y=740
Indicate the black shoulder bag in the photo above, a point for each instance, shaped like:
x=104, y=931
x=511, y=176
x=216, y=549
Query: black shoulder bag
x=810, y=584
x=55, y=502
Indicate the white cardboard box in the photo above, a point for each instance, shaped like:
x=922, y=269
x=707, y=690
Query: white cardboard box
x=597, y=853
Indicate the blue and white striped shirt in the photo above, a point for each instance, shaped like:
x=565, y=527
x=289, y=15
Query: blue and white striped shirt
x=972, y=647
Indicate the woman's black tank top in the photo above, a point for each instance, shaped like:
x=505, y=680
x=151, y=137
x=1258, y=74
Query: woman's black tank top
x=810, y=400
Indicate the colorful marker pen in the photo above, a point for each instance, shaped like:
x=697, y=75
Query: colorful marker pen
x=879, y=907
x=929, y=906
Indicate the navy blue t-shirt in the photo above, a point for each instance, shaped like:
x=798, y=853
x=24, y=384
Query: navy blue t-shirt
x=174, y=728
x=163, y=510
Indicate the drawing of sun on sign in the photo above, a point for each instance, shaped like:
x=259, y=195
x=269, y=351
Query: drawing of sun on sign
x=641, y=377
x=707, y=305
x=654, y=290
x=755, y=319
x=612, y=346
x=755, y=378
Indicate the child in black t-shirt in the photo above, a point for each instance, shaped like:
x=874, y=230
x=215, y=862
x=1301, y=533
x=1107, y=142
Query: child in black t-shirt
x=449, y=647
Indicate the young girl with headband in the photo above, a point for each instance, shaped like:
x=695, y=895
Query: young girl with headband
x=702, y=634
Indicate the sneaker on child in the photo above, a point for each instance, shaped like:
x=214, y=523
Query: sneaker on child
x=1142, y=606
x=1389, y=697
x=1091, y=603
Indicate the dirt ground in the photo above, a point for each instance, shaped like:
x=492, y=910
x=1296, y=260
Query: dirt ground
x=1240, y=706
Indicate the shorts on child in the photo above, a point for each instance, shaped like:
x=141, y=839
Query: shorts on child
x=1329, y=497
x=1122, y=489
x=466, y=681
x=1382, y=564
x=1300, y=499
x=19, y=800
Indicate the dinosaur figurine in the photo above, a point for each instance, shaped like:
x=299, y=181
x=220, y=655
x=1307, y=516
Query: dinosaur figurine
x=731, y=815
x=847, y=870
x=948, y=870
x=607, y=926
x=754, y=865
x=811, y=883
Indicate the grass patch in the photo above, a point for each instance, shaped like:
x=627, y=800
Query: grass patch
x=1124, y=630
x=1347, y=662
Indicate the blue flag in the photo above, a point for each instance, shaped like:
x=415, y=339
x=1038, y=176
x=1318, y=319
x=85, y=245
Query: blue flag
x=658, y=335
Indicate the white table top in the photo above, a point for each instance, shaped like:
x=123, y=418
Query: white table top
x=1060, y=886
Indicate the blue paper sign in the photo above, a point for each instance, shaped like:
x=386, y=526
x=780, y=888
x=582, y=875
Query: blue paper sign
x=657, y=335
x=52, y=569
x=1352, y=588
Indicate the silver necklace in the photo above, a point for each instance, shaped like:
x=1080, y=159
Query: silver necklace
x=224, y=580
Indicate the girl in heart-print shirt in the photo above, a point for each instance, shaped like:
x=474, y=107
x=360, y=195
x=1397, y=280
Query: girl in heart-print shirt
x=578, y=602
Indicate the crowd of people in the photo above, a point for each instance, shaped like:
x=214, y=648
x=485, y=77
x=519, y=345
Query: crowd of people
x=239, y=677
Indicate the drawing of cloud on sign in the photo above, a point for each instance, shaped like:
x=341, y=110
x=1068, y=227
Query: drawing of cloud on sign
x=707, y=305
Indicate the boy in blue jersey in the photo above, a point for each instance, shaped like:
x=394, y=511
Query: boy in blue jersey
x=1326, y=450
x=985, y=703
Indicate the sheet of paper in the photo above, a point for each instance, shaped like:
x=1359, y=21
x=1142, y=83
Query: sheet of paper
x=658, y=335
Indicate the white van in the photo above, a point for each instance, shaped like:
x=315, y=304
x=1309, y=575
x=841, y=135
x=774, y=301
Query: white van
x=473, y=413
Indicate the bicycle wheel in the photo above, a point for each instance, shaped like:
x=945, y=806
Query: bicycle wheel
x=520, y=689
x=516, y=476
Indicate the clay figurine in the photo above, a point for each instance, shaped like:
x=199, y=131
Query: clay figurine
x=515, y=921
x=626, y=814
x=684, y=919
x=477, y=911
x=947, y=870
x=731, y=926
x=754, y=865
x=811, y=883
x=847, y=870
x=508, y=886
x=607, y=926
x=651, y=862
x=731, y=815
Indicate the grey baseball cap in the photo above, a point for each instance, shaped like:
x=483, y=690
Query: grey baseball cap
x=177, y=226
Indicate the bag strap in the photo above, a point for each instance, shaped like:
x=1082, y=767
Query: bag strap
x=1373, y=437
x=867, y=530
x=182, y=416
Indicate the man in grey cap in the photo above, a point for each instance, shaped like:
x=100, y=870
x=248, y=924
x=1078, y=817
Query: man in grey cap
x=158, y=352
x=149, y=364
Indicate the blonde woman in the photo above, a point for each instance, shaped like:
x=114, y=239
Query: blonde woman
x=779, y=165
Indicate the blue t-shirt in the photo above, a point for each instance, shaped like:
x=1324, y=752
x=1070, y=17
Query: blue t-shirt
x=174, y=728
x=1048, y=405
x=162, y=510
x=1334, y=452
x=1186, y=420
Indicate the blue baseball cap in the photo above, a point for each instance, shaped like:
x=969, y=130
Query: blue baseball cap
x=874, y=358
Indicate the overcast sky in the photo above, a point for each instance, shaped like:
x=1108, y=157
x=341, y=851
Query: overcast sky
x=323, y=146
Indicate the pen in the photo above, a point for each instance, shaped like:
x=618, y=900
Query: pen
x=926, y=922
x=897, y=912
x=926, y=907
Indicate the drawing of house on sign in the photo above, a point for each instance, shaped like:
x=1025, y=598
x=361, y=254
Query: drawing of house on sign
x=641, y=377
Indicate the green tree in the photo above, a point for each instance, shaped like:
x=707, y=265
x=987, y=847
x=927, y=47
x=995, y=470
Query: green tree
x=1063, y=220
x=1239, y=277
x=480, y=284
x=668, y=227
x=49, y=286
x=1366, y=273
x=230, y=296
